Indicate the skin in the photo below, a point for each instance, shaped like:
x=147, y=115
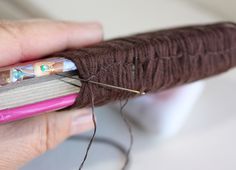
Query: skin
x=24, y=140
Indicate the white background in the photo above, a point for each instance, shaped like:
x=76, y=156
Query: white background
x=206, y=142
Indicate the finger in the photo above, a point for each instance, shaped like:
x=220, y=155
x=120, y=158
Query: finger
x=24, y=140
x=25, y=40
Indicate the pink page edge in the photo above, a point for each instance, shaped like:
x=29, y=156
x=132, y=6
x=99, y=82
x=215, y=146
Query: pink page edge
x=26, y=111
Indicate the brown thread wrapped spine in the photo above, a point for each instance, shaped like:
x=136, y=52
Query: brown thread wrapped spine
x=154, y=61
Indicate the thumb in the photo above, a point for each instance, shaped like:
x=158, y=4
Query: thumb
x=24, y=140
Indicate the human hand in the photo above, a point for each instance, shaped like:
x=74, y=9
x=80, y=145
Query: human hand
x=24, y=140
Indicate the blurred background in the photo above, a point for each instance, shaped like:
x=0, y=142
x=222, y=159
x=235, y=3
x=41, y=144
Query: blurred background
x=207, y=139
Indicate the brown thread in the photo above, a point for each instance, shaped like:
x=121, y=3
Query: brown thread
x=91, y=140
x=128, y=125
x=94, y=132
x=154, y=61
x=102, y=140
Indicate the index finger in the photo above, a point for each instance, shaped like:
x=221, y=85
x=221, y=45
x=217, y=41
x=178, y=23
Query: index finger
x=26, y=40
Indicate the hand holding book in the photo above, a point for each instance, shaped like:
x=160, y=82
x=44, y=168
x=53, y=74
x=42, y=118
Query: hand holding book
x=30, y=40
x=111, y=70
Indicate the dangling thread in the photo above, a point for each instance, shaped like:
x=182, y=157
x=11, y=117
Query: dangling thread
x=102, y=140
x=127, y=153
x=93, y=117
x=128, y=125
x=94, y=131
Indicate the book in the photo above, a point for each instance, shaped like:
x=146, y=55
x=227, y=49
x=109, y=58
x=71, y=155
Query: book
x=31, y=83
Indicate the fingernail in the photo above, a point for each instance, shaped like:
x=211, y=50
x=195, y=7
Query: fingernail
x=81, y=124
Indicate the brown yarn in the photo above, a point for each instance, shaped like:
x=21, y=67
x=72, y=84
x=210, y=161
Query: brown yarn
x=93, y=138
x=154, y=61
